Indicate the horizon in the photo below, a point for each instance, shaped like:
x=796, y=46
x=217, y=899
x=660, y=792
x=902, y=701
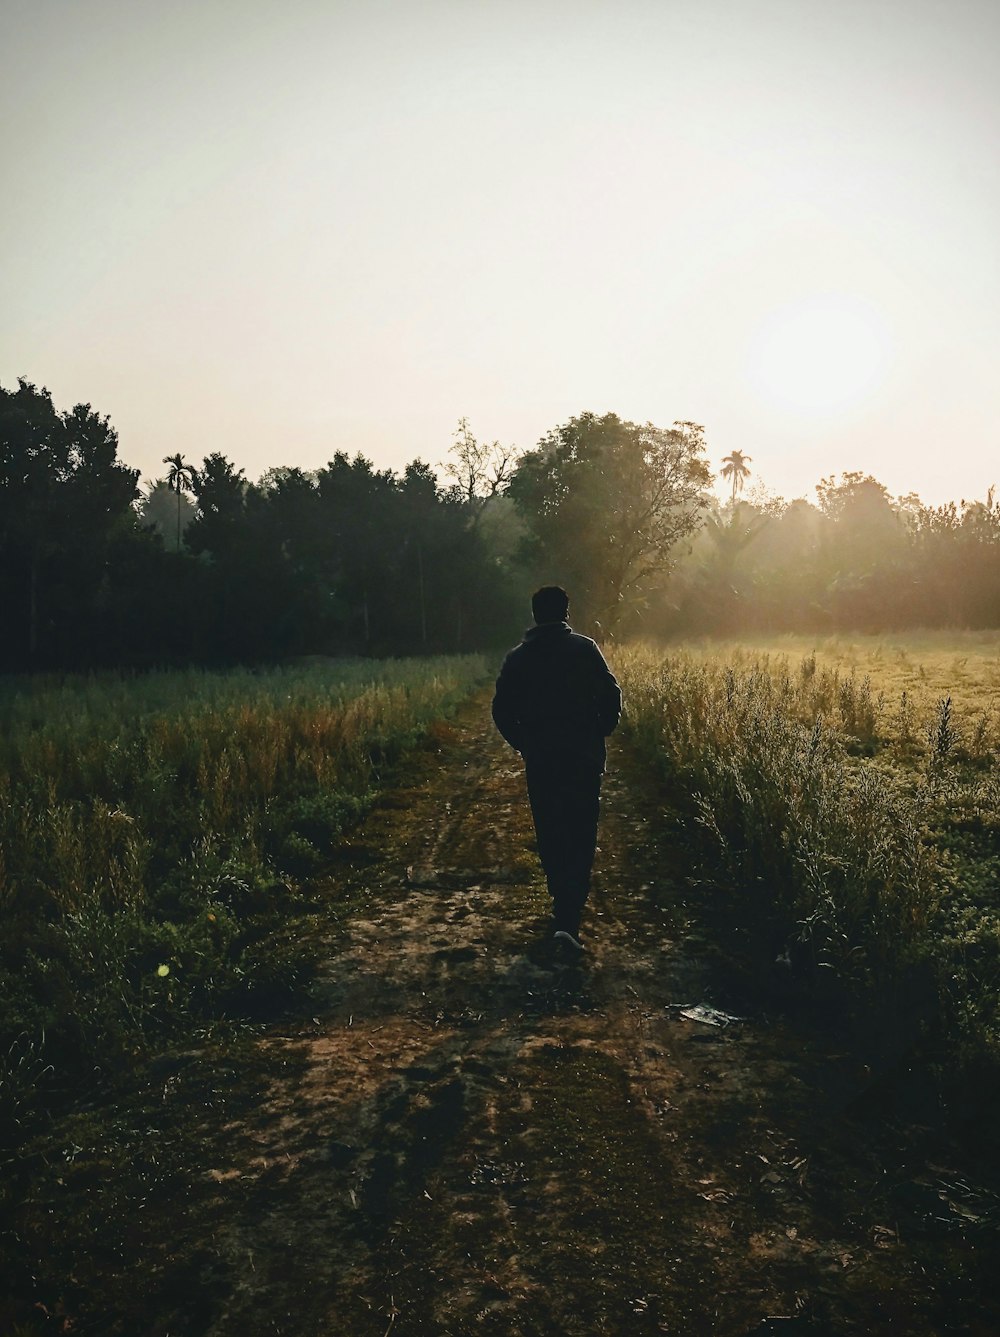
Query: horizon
x=280, y=235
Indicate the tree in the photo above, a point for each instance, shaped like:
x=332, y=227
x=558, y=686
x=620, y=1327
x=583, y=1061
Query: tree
x=734, y=467
x=294, y=541
x=63, y=494
x=864, y=553
x=221, y=490
x=481, y=472
x=732, y=534
x=418, y=499
x=358, y=515
x=606, y=502
x=955, y=562
x=726, y=576
x=180, y=478
x=159, y=509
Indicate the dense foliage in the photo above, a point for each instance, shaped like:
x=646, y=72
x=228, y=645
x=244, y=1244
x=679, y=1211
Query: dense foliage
x=858, y=559
x=210, y=567
x=65, y=508
x=606, y=503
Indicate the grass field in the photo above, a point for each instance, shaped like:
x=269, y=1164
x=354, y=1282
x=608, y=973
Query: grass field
x=161, y=836
x=848, y=791
x=927, y=666
x=157, y=833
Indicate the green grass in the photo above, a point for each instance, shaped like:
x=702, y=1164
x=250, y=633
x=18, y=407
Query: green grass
x=849, y=793
x=157, y=833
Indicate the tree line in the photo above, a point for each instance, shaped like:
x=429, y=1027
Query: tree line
x=207, y=566
x=856, y=559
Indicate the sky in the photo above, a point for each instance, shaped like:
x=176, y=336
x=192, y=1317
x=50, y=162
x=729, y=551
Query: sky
x=280, y=230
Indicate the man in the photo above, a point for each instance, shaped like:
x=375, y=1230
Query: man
x=556, y=701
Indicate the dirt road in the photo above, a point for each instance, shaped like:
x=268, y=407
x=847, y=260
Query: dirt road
x=471, y=1136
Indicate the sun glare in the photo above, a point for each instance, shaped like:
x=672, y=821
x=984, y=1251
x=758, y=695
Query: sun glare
x=820, y=356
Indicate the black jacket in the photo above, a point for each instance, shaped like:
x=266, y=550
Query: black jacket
x=556, y=698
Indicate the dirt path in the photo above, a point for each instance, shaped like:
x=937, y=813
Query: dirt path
x=471, y=1137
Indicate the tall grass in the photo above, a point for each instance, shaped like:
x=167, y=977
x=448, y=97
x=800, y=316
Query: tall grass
x=155, y=831
x=867, y=833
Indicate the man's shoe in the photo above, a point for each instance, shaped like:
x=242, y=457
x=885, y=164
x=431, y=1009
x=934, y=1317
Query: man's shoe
x=561, y=935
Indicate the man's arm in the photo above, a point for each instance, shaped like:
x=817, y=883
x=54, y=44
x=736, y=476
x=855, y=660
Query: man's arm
x=507, y=707
x=609, y=696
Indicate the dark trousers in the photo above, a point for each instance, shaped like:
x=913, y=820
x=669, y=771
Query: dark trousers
x=565, y=799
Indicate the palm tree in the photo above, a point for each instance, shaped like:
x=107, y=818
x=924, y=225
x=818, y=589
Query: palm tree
x=180, y=478
x=734, y=466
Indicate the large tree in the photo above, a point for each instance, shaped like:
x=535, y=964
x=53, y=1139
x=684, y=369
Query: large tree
x=357, y=504
x=481, y=470
x=63, y=493
x=606, y=503
x=220, y=522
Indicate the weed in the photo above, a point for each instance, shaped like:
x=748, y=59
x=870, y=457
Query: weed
x=942, y=737
x=906, y=720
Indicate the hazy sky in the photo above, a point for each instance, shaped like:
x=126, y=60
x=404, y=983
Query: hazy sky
x=279, y=229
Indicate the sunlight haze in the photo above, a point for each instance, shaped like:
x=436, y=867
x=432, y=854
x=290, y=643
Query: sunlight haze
x=283, y=231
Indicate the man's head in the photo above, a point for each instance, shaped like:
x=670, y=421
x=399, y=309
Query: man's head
x=550, y=604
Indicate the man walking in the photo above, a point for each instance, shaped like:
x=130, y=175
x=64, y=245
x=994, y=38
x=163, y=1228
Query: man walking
x=556, y=701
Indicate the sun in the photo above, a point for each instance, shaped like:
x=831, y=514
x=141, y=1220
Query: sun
x=819, y=356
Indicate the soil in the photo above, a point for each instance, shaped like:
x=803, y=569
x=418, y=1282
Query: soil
x=472, y=1132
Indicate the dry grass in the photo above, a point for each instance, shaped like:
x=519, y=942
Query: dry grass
x=850, y=792
x=928, y=666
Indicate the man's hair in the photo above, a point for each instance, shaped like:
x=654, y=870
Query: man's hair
x=550, y=604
